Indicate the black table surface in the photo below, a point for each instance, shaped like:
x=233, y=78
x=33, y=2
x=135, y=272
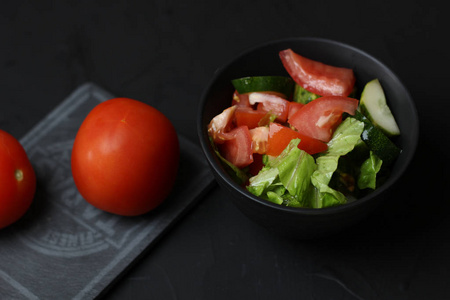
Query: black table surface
x=164, y=53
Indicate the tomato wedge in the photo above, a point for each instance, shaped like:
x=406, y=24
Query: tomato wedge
x=293, y=108
x=248, y=116
x=271, y=103
x=221, y=124
x=280, y=136
x=237, y=149
x=260, y=137
x=317, y=77
x=240, y=100
x=319, y=118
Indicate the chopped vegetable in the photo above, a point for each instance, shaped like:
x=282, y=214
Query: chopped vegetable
x=374, y=107
x=320, y=117
x=369, y=170
x=280, y=136
x=377, y=141
x=280, y=85
x=317, y=77
x=302, y=95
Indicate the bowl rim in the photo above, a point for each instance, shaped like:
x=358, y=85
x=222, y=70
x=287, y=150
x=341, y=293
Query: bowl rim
x=218, y=169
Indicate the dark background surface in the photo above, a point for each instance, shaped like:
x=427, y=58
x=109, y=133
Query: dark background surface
x=164, y=53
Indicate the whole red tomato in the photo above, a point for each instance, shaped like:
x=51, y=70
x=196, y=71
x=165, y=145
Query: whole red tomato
x=17, y=180
x=125, y=157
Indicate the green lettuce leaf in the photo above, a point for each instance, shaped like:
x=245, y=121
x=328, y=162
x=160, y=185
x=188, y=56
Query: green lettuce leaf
x=261, y=182
x=295, y=172
x=286, y=179
x=369, y=170
x=268, y=178
x=346, y=136
x=343, y=141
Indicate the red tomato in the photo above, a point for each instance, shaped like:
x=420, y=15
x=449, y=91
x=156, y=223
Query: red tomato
x=17, y=180
x=221, y=124
x=238, y=150
x=280, y=136
x=240, y=100
x=316, y=77
x=248, y=116
x=271, y=103
x=125, y=157
x=319, y=118
x=260, y=137
x=293, y=107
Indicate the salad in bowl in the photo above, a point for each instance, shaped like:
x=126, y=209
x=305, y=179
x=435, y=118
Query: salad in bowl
x=305, y=140
x=307, y=135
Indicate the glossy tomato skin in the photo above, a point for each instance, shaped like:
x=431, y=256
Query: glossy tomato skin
x=317, y=77
x=280, y=137
x=125, y=157
x=271, y=103
x=320, y=117
x=248, y=116
x=293, y=108
x=17, y=180
x=238, y=149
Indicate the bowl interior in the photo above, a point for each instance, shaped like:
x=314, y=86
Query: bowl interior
x=264, y=60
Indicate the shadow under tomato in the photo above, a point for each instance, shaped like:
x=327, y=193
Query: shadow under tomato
x=37, y=210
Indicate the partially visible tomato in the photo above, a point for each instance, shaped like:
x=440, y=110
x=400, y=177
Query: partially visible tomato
x=125, y=157
x=317, y=77
x=238, y=149
x=17, y=180
x=320, y=117
x=280, y=136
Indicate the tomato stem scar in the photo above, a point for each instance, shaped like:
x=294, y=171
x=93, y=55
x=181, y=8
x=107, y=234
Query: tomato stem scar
x=19, y=175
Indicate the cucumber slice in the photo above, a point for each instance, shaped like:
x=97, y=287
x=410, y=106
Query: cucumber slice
x=277, y=84
x=377, y=141
x=373, y=105
x=303, y=96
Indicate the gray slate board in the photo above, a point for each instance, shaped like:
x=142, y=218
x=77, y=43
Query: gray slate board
x=64, y=248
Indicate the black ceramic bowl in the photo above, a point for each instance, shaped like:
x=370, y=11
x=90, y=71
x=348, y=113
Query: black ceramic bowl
x=264, y=60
